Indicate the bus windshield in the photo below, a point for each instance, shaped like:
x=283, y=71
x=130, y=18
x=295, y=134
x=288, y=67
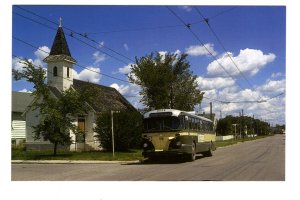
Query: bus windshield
x=161, y=124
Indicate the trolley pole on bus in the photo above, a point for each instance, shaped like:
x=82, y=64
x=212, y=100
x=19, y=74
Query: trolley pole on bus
x=112, y=131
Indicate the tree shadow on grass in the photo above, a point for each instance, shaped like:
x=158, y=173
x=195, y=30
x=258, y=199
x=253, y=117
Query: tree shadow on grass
x=52, y=157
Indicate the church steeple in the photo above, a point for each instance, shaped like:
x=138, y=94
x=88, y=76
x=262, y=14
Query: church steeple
x=60, y=46
x=60, y=62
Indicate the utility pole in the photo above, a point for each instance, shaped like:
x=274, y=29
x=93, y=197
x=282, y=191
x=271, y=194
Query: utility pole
x=242, y=124
x=240, y=121
x=253, y=123
x=112, y=131
x=234, y=130
x=210, y=113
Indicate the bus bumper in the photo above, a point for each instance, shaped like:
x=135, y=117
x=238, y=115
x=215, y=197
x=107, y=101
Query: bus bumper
x=184, y=150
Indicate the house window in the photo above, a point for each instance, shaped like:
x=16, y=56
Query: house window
x=68, y=72
x=55, y=71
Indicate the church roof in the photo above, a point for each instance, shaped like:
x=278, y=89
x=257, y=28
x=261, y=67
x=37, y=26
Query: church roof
x=108, y=99
x=60, y=49
x=20, y=101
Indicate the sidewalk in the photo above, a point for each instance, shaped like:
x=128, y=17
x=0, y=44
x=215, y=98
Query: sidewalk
x=72, y=162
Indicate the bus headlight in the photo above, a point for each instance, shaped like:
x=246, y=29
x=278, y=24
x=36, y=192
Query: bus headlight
x=145, y=145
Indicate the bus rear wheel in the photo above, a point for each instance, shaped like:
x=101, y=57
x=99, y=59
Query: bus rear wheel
x=208, y=153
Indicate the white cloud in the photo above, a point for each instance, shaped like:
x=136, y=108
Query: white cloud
x=278, y=74
x=123, y=89
x=42, y=53
x=101, y=44
x=25, y=90
x=260, y=110
x=186, y=8
x=163, y=54
x=273, y=86
x=214, y=83
x=125, y=70
x=130, y=92
x=200, y=50
x=126, y=47
x=91, y=74
x=249, y=61
x=17, y=64
x=98, y=57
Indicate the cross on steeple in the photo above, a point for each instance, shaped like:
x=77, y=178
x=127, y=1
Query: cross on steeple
x=60, y=19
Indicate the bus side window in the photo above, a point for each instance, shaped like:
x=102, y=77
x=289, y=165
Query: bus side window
x=204, y=126
x=192, y=123
x=181, y=121
x=198, y=124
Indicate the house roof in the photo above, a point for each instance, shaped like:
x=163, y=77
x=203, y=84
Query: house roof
x=20, y=101
x=108, y=99
x=60, y=49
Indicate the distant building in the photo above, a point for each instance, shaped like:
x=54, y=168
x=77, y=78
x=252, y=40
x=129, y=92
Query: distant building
x=60, y=78
x=19, y=102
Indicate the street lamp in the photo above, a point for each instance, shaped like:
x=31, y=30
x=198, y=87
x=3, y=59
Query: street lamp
x=112, y=130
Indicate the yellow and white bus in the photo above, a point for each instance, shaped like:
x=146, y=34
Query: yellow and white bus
x=175, y=132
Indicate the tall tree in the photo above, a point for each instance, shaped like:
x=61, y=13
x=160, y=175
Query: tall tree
x=56, y=112
x=166, y=81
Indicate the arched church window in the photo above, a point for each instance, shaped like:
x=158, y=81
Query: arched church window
x=55, y=71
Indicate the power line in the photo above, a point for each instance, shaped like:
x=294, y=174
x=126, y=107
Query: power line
x=71, y=35
x=35, y=47
x=240, y=102
x=137, y=29
x=221, y=43
x=216, y=15
x=25, y=60
x=34, y=21
x=80, y=34
x=157, y=27
x=188, y=26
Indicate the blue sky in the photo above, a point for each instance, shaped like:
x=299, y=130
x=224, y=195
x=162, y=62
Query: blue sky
x=254, y=36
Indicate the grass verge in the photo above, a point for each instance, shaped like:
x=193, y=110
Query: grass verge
x=232, y=141
x=21, y=154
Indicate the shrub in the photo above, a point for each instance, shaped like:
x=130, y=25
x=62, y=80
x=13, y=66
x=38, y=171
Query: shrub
x=127, y=130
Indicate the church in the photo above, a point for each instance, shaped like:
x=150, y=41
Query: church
x=60, y=78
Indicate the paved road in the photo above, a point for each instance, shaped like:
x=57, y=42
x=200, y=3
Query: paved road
x=259, y=160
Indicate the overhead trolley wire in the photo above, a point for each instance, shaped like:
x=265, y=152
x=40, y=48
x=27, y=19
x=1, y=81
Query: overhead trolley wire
x=81, y=66
x=72, y=35
x=188, y=26
x=216, y=15
x=157, y=27
x=25, y=60
x=222, y=45
x=77, y=33
x=137, y=29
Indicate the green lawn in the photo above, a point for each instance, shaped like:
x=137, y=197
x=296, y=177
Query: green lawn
x=21, y=154
x=231, y=142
